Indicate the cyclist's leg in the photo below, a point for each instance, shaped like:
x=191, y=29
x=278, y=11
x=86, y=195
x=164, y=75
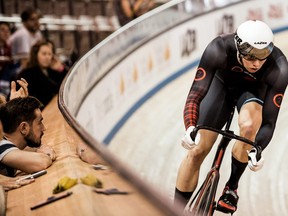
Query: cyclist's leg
x=249, y=120
x=189, y=168
x=188, y=173
x=214, y=111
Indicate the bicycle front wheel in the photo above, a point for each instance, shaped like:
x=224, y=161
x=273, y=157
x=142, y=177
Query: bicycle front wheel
x=205, y=203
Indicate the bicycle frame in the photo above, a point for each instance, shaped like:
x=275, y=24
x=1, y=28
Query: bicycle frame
x=203, y=203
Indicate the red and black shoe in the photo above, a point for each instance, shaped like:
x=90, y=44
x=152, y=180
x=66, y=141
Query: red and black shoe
x=227, y=203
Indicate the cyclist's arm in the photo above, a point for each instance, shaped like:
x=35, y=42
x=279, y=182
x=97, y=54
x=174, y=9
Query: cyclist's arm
x=213, y=58
x=274, y=95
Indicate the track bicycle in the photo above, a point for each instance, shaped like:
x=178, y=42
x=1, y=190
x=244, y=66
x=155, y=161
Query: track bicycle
x=204, y=203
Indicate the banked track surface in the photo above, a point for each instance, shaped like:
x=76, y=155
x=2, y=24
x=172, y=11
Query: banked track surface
x=156, y=156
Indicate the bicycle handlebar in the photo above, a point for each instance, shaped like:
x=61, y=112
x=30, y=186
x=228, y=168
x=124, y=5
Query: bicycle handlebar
x=225, y=133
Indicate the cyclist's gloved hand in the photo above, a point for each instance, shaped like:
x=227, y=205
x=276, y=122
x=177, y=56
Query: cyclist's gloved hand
x=255, y=161
x=187, y=141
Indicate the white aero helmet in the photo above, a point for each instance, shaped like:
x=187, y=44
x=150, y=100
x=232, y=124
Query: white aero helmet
x=254, y=40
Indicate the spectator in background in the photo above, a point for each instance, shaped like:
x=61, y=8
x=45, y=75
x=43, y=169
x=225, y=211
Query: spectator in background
x=44, y=72
x=6, y=71
x=127, y=10
x=56, y=63
x=21, y=92
x=22, y=124
x=25, y=37
x=5, y=182
x=5, y=33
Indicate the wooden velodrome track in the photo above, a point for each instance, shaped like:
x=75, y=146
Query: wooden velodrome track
x=155, y=157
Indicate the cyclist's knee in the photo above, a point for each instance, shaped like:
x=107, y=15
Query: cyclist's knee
x=247, y=129
x=197, y=154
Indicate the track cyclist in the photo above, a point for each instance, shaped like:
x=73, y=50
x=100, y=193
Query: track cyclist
x=244, y=66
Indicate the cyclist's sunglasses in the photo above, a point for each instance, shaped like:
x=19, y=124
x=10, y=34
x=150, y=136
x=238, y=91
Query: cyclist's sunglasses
x=251, y=53
x=249, y=57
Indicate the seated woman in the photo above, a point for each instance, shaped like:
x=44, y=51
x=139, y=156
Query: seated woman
x=43, y=77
